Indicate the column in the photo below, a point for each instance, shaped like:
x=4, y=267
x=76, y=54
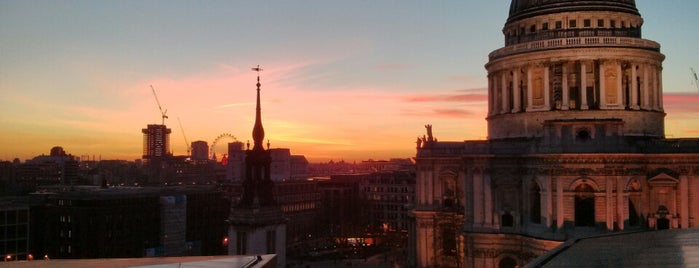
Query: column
x=609, y=200
x=658, y=94
x=602, y=87
x=516, y=92
x=644, y=89
x=505, y=96
x=487, y=200
x=620, y=202
x=566, y=94
x=478, y=199
x=490, y=94
x=559, y=204
x=660, y=88
x=634, y=87
x=547, y=93
x=619, y=87
x=530, y=101
x=549, y=201
x=430, y=190
x=583, y=86
x=684, y=201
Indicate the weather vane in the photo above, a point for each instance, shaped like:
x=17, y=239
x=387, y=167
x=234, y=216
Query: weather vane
x=257, y=69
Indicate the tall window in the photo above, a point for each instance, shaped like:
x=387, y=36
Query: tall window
x=584, y=206
x=534, y=203
x=241, y=242
x=448, y=240
x=507, y=262
x=271, y=242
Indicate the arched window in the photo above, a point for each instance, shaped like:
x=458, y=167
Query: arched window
x=449, y=197
x=507, y=220
x=584, y=206
x=448, y=240
x=507, y=262
x=534, y=202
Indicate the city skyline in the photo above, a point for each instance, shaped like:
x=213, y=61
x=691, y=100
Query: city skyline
x=342, y=80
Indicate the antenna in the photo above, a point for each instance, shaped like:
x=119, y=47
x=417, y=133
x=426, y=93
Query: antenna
x=696, y=79
x=186, y=141
x=163, y=114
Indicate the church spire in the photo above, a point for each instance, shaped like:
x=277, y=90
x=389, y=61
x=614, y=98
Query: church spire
x=258, y=132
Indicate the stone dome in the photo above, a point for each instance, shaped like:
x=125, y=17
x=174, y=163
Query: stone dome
x=520, y=9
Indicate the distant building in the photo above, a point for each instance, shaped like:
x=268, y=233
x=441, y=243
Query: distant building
x=284, y=166
x=576, y=144
x=344, y=213
x=56, y=168
x=390, y=196
x=15, y=226
x=156, y=141
x=98, y=222
x=200, y=151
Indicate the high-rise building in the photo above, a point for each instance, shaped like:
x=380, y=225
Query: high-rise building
x=576, y=144
x=156, y=141
x=200, y=150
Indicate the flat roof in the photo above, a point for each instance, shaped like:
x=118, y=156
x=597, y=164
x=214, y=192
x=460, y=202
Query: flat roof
x=160, y=262
x=666, y=248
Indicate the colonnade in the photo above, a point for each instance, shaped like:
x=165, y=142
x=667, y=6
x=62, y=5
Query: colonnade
x=576, y=85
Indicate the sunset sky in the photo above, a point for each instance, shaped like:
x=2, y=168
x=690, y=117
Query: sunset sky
x=342, y=80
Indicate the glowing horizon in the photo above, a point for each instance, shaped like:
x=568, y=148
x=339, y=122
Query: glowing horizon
x=343, y=81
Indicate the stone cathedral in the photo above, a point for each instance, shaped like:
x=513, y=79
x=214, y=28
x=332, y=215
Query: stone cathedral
x=576, y=144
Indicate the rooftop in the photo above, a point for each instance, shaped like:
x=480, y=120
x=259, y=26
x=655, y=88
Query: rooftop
x=166, y=262
x=667, y=248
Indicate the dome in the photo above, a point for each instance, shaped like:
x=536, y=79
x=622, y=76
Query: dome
x=520, y=9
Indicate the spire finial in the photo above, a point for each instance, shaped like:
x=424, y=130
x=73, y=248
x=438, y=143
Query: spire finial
x=258, y=132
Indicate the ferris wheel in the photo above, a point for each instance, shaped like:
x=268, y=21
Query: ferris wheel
x=222, y=137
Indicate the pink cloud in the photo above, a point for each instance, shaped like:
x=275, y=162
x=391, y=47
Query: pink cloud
x=681, y=104
x=674, y=98
x=442, y=113
x=447, y=98
x=452, y=113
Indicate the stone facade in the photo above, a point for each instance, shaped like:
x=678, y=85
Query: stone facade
x=576, y=144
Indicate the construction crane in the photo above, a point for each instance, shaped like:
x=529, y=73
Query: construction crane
x=186, y=141
x=696, y=79
x=164, y=114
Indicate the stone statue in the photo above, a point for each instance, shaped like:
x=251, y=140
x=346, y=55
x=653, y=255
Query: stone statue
x=429, y=132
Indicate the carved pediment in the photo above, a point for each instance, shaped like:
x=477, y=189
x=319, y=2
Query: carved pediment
x=662, y=179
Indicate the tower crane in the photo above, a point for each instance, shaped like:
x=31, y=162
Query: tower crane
x=163, y=113
x=696, y=79
x=186, y=141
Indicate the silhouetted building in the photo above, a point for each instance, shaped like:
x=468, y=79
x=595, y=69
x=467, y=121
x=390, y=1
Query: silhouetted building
x=256, y=222
x=576, y=144
x=57, y=168
x=344, y=212
x=200, y=151
x=14, y=230
x=299, y=167
x=390, y=196
x=97, y=222
x=156, y=141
